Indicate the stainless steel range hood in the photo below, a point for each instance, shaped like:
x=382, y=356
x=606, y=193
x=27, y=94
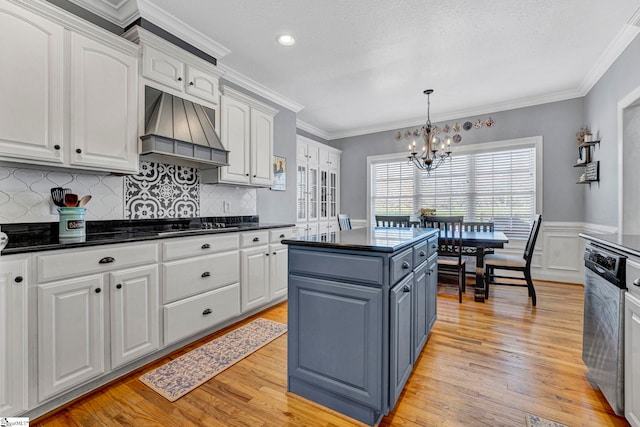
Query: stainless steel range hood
x=177, y=129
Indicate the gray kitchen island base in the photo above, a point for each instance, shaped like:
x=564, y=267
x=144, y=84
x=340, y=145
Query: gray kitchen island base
x=360, y=310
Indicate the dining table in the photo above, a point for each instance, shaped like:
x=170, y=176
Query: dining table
x=480, y=240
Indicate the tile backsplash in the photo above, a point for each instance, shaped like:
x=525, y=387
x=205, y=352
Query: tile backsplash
x=159, y=191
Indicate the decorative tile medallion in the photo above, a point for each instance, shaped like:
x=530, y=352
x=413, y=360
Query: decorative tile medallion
x=162, y=191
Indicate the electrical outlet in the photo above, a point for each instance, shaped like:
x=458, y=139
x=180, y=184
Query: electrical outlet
x=225, y=207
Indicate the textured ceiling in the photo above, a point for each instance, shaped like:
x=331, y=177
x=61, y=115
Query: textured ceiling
x=361, y=65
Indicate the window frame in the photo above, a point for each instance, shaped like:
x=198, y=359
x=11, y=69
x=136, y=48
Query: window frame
x=535, y=142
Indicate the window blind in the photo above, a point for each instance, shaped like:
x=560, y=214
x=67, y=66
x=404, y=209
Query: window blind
x=497, y=186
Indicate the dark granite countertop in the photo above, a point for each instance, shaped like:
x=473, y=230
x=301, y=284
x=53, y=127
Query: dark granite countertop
x=378, y=239
x=36, y=237
x=626, y=243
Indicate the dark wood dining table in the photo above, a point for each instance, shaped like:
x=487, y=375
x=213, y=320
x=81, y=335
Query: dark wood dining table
x=482, y=240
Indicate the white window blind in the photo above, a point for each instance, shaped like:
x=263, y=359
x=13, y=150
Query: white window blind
x=497, y=186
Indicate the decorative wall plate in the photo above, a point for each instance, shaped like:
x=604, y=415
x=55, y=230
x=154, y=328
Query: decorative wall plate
x=446, y=129
x=489, y=122
x=407, y=134
x=457, y=138
x=467, y=125
x=398, y=136
x=457, y=127
x=436, y=130
x=478, y=124
x=417, y=132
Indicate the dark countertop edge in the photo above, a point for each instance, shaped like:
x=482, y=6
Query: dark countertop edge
x=368, y=248
x=149, y=236
x=605, y=241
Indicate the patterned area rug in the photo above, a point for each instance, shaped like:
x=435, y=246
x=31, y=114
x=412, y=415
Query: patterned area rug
x=535, y=421
x=178, y=377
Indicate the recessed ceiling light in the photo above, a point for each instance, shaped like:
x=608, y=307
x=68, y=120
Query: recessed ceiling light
x=286, y=40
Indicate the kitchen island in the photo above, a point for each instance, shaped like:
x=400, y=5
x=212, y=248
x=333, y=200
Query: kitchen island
x=361, y=305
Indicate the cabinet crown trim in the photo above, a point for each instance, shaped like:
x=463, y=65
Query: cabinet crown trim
x=227, y=91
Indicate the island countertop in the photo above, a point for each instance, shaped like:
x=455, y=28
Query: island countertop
x=377, y=239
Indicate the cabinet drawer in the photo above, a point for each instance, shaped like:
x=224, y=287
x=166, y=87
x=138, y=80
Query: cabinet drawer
x=344, y=267
x=432, y=245
x=192, y=276
x=255, y=238
x=192, y=315
x=201, y=245
x=89, y=261
x=420, y=253
x=401, y=265
x=275, y=236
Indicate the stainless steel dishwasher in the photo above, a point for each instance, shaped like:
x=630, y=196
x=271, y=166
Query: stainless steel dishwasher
x=603, y=334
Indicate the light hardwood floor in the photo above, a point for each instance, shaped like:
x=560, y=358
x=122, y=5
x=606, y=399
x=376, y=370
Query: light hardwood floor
x=484, y=365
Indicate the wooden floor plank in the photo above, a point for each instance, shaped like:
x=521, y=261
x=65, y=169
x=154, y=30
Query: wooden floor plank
x=485, y=364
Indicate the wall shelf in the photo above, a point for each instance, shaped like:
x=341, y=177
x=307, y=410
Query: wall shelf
x=591, y=168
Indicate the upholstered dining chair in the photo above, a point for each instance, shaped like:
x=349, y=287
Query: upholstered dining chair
x=344, y=222
x=450, y=260
x=393, y=220
x=520, y=264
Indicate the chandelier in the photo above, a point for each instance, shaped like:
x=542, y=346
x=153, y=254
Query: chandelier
x=431, y=157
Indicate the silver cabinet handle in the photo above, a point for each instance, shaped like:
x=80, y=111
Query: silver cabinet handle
x=405, y=265
x=207, y=311
x=406, y=289
x=635, y=282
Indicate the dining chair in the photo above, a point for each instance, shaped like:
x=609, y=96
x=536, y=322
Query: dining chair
x=450, y=260
x=520, y=264
x=393, y=220
x=344, y=222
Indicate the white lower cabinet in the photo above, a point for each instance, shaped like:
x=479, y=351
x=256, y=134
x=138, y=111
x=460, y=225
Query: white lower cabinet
x=632, y=360
x=200, y=284
x=255, y=277
x=70, y=333
x=278, y=270
x=91, y=287
x=264, y=265
x=134, y=305
x=13, y=335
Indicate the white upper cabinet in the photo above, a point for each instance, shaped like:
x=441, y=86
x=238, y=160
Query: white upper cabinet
x=69, y=91
x=247, y=132
x=104, y=84
x=31, y=88
x=176, y=71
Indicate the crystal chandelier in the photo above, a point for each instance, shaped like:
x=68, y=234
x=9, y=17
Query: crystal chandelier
x=431, y=157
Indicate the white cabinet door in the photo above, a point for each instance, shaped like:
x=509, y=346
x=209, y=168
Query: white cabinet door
x=261, y=148
x=104, y=87
x=255, y=277
x=313, y=191
x=13, y=337
x=235, y=133
x=162, y=68
x=70, y=334
x=135, y=321
x=201, y=84
x=278, y=270
x=632, y=360
x=32, y=85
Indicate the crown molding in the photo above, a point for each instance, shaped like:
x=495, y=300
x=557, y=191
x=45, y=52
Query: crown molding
x=248, y=100
x=259, y=89
x=181, y=30
x=122, y=14
x=469, y=112
x=312, y=129
x=611, y=53
x=78, y=25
